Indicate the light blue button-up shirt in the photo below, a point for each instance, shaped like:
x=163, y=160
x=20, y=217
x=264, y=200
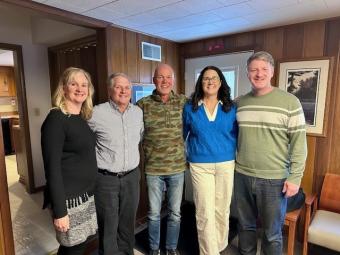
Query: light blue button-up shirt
x=118, y=136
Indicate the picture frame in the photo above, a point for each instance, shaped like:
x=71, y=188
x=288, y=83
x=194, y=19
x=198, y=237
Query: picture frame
x=141, y=90
x=309, y=80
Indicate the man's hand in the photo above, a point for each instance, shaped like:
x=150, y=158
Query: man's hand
x=290, y=189
x=62, y=224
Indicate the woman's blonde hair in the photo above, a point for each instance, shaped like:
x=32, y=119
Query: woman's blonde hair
x=59, y=95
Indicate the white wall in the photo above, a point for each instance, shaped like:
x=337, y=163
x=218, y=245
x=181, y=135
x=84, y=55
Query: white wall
x=36, y=72
x=38, y=101
x=16, y=28
x=41, y=31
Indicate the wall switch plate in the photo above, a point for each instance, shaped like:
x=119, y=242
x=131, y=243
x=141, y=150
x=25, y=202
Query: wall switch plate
x=36, y=111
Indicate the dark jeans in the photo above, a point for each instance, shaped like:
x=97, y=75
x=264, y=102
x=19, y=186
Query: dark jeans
x=116, y=204
x=263, y=199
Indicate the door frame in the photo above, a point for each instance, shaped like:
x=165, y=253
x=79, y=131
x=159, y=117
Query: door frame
x=25, y=139
x=6, y=231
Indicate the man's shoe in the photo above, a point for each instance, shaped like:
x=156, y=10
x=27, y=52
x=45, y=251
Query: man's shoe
x=155, y=252
x=172, y=252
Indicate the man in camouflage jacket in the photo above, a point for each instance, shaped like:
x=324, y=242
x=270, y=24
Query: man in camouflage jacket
x=165, y=161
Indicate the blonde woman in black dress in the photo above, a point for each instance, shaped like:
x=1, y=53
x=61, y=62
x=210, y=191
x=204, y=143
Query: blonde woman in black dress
x=68, y=148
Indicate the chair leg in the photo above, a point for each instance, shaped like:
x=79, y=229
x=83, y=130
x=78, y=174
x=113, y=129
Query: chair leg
x=305, y=248
x=291, y=238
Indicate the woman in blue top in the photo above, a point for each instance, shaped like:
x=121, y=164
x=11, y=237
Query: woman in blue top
x=210, y=130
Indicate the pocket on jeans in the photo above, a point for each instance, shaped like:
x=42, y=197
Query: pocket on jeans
x=274, y=187
x=276, y=182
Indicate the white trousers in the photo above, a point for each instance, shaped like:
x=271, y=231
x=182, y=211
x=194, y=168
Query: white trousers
x=212, y=191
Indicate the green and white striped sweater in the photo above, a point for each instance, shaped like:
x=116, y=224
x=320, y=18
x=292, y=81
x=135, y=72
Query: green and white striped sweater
x=272, y=136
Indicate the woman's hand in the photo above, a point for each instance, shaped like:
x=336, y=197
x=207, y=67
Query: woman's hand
x=62, y=224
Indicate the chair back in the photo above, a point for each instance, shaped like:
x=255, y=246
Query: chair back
x=330, y=193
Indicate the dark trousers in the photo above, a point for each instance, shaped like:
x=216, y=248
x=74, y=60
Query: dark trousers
x=116, y=204
x=263, y=198
x=74, y=250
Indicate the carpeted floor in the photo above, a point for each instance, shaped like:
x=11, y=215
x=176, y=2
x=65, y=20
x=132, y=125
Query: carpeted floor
x=187, y=244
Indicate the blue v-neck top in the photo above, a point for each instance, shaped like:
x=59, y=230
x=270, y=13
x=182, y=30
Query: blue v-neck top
x=209, y=141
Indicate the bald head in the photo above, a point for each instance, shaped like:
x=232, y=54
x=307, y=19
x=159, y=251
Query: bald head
x=164, y=80
x=162, y=67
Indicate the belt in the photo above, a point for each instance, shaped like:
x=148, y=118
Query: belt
x=118, y=174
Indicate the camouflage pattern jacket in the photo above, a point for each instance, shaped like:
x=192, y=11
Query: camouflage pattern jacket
x=163, y=142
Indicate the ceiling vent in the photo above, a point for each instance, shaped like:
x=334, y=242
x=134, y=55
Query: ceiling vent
x=151, y=51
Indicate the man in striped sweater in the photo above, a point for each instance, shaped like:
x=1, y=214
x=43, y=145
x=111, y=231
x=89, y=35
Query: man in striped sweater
x=271, y=157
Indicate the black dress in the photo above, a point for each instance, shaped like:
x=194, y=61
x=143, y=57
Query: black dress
x=68, y=149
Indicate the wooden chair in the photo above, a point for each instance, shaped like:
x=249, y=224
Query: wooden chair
x=322, y=223
x=291, y=221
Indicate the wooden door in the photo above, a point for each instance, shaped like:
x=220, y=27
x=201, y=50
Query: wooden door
x=81, y=53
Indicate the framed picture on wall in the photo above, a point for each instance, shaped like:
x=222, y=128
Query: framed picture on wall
x=308, y=79
x=141, y=90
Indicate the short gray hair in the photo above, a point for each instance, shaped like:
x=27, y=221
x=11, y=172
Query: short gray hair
x=112, y=77
x=261, y=55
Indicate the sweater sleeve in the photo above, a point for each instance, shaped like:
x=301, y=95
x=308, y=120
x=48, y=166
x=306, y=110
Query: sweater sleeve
x=297, y=144
x=52, y=141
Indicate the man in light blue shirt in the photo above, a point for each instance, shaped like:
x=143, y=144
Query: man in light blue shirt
x=118, y=126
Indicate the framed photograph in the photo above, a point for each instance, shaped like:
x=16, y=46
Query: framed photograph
x=308, y=80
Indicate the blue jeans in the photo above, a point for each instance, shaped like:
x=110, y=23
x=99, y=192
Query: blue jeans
x=174, y=190
x=263, y=198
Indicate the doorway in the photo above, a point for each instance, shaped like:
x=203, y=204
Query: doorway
x=81, y=53
x=17, y=171
x=20, y=114
x=14, y=114
x=232, y=65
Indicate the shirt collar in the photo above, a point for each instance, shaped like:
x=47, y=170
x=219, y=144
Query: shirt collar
x=158, y=98
x=116, y=107
x=201, y=102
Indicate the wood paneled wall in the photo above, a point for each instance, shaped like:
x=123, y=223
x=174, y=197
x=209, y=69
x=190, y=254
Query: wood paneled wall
x=311, y=39
x=124, y=55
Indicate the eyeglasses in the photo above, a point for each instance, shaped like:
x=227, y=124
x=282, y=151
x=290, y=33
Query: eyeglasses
x=161, y=77
x=212, y=79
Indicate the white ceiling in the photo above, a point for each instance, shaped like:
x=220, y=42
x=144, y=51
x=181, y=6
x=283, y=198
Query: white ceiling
x=186, y=20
